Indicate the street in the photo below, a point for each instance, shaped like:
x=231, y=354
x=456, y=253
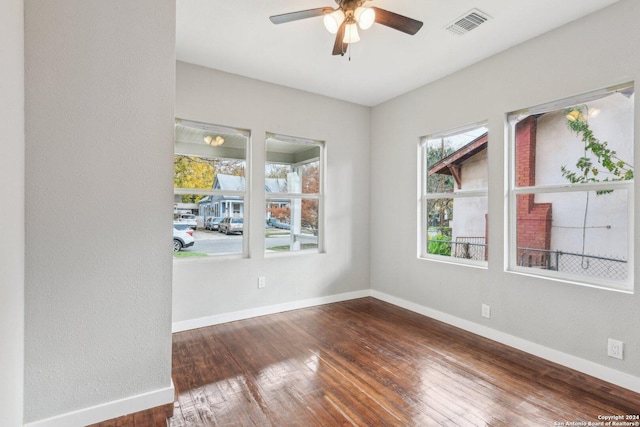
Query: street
x=213, y=242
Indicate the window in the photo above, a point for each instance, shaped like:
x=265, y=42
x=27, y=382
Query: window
x=571, y=189
x=210, y=167
x=454, y=205
x=293, y=194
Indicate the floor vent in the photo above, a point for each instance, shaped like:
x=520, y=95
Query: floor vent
x=468, y=22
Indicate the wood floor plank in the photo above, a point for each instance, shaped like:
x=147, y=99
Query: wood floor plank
x=368, y=363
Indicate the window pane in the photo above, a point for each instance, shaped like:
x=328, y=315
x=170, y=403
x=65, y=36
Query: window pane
x=578, y=233
x=217, y=226
x=587, y=142
x=300, y=179
x=208, y=173
x=454, y=212
x=210, y=158
x=457, y=227
x=291, y=225
x=292, y=166
x=294, y=163
x=448, y=156
x=580, y=145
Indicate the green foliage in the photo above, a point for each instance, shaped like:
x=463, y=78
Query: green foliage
x=439, y=208
x=188, y=254
x=445, y=231
x=440, y=244
x=287, y=248
x=439, y=183
x=614, y=168
x=192, y=172
x=200, y=172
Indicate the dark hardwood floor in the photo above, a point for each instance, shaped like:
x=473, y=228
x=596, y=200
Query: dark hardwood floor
x=368, y=363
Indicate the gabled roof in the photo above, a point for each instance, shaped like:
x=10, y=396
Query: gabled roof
x=237, y=183
x=451, y=164
x=275, y=185
x=229, y=182
x=458, y=157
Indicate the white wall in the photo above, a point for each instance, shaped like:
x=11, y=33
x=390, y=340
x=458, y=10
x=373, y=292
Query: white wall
x=469, y=218
x=566, y=318
x=214, y=287
x=555, y=145
x=100, y=82
x=12, y=211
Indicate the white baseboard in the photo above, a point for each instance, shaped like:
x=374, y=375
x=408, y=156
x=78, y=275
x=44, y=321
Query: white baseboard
x=586, y=367
x=109, y=410
x=217, y=319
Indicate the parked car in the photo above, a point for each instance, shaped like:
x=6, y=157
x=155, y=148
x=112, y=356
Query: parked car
x=212, y=223
x=188, y=219
x=181, y=239
x=277, y=224
x=183, y=226
x=231, y=225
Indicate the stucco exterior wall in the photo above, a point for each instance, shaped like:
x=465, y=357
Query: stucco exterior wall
x=607, y=219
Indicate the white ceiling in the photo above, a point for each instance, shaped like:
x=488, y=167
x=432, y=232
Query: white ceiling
x=237, y=37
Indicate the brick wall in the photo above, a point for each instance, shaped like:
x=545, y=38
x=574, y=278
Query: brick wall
x=534, y=219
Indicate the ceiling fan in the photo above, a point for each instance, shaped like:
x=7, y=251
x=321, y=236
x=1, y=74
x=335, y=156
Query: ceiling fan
x=347, y=17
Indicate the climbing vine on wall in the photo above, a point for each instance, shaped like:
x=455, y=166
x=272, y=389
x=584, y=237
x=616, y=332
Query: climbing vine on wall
x=609, y=163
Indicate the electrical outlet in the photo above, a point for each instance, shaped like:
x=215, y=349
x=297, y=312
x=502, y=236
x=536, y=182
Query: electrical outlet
x=262, y=282
x=486, y=311
x=615, y=349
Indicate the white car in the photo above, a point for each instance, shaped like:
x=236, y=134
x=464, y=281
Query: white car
x=181, y=239
x=188, y=219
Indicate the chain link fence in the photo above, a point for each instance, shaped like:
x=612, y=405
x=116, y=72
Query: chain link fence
x=470, y=248
x=463, y=247
x=586, y=265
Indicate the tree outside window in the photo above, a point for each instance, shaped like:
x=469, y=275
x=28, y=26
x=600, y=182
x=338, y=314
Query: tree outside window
x=293, y=194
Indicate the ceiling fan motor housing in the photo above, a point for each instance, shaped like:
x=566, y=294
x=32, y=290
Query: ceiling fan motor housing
x=349, y=6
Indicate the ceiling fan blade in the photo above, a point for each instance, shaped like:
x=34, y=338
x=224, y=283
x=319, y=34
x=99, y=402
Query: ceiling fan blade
x=339, y=48
x=397, y=22
x=301, y=14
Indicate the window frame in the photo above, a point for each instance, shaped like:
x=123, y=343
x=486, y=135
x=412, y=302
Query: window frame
x=424, y=196
x=513, y=191
x=244, y=194
x=271, y=198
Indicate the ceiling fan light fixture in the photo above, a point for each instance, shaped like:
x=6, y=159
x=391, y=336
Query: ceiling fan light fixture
x=215, y=142
x=365, y=16
x=344, y=21
x=351, y=34
x=333, y=20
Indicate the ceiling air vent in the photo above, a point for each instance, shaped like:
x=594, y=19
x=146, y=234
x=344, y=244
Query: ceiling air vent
x=467, y=22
